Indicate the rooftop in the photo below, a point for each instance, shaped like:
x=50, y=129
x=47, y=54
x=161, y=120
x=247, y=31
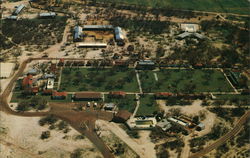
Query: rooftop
x=87, y=95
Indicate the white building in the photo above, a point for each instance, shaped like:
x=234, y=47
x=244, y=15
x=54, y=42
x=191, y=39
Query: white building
x=50, y=83
x=141, y=122
x=92, y=45
x=190, y=27
x=119, y=36
x=98, y=27
x=178, y=122
x=47, y=15
x=19, y=9
x=77, y=33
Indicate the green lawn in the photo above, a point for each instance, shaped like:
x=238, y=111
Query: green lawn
x=186, y=81
x=147, y=106
x=231, y=6
x=109, y=79
x=18, y=97
x=127, y=103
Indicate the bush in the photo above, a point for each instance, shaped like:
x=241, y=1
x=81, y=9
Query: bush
x=76, y=154
x=45, y=135
x=22, y=106
x=133, y=133
x=62, y=125
x=50, y=119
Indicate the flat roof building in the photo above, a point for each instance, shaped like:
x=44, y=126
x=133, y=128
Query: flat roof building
x=164, y=124
x=98, y=27
x=200, y=126
x=81, y=96
x=12, y=17
x=92, y=45
x=178, y=122
x=50, y=83
x=47, y=15
x=33, y=71
x=188, y=27
x=19, y=9
x=142, y=122
x=109, y=106
x=77, y=33
x=119, y=36
x=145, y=64
x=59, y=95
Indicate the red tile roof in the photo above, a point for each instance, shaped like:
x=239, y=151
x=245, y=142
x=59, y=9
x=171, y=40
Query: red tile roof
x=164, y=94
x=117, y=93
x=27, y=81
x=121, y=63
x=61, y=60
x=35, y=89
x=59, y=94
x=88, y=95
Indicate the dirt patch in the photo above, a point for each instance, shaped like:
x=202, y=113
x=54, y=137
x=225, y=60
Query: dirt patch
x=21, y=138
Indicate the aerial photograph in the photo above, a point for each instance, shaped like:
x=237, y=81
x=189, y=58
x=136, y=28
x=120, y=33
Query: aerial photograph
x=124, y=78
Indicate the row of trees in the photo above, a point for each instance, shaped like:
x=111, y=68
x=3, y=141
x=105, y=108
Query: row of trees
x=53, y=123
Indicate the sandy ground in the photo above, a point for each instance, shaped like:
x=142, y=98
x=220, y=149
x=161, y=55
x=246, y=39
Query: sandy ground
x=112, y=139
x=142, y=146
x=192, y=110
x=20, y=137
x=95, y=54
x=6, y=69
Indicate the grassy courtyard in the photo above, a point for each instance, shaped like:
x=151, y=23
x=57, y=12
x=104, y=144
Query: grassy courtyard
x=185, y=81
x=127, y=103
x=147, y=106
x=102, y=80
x=231, y=6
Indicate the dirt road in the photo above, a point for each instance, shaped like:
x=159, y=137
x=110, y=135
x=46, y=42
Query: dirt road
x=75, y=119
x=237, y=128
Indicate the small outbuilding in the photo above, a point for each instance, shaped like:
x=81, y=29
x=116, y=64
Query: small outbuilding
x=119, y=36
x=98, y=27
x=33, y=71
x=78, y=33
x=164, y=124
x=12, y=17
x=109, y=106
x=47, y=15
x=18, y=9
x=145, y=64
x=189, y=27
x=200, y=127
x=92, y=45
